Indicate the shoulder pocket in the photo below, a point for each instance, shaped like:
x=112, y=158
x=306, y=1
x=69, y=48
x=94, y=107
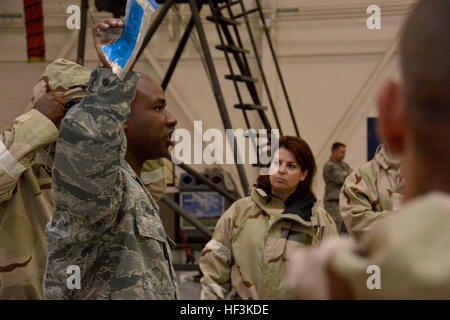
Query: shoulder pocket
x=149, y=226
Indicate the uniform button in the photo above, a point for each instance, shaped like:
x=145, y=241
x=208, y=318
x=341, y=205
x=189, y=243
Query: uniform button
x=105, y=82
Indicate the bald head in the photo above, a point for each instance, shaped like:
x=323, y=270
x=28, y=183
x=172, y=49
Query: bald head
x=150, y=125
x=425, y=61
x=414, y=116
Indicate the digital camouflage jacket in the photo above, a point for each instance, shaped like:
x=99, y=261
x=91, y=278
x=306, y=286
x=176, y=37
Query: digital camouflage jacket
x=334, y=174
x=105, y=221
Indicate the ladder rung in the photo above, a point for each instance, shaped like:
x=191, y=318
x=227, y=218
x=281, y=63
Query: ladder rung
x=250, y=107
x=240, y=78
x=227, y=5
x=257, y=135
x=245, y=13
x=259, y=165
x=223, y=20
x=231, y=48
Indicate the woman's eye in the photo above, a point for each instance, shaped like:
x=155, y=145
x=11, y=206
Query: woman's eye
x=158, y=108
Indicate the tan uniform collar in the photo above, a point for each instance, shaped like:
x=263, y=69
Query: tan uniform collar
x=385, y=159
x=269, y=204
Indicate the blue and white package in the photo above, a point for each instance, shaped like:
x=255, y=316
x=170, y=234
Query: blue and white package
x=121, y=53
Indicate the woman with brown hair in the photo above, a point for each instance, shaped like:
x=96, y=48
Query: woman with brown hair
x=255, y=237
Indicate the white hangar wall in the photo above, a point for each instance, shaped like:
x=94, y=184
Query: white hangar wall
x=331, y=63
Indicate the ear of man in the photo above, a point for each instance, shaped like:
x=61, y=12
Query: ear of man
x=392, y=115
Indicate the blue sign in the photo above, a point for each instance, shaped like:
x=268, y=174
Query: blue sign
x=202, y=204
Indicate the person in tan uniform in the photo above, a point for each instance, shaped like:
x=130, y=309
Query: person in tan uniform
x=371, y=193
x=25, y=180
x=255, y=237
x=407, y=255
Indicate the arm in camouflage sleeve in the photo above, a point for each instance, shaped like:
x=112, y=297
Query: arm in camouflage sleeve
x=216, y=260
x=357, y=200
x=87, y=183
x=333, y=173
x=18, y=146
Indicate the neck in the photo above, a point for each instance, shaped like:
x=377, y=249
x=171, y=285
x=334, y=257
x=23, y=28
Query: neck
x=281, y=195
x=334, y=158
x=421, y=178
x=134, y=163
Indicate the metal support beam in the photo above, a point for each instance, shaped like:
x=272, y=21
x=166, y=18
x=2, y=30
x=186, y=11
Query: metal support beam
x=190, y=114
x=68, y=44
x=275, y=60
x=154, y=26
x=178, y=53
x=263, y=75
x=82, y=34
x=216, y=87
x=178, y=210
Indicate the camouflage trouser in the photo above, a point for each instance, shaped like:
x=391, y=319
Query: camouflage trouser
x=332, y=207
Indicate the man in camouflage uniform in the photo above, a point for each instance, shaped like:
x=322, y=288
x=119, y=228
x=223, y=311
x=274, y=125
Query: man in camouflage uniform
x=335, y=171
x=370, y=193
x=406, y=256
x=105, y=221
x=26, y=158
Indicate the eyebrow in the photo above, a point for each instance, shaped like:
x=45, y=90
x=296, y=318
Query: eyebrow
x=161, y=101
x=288, y=162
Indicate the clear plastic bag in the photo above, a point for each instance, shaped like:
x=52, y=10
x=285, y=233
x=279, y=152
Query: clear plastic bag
x=121, y=53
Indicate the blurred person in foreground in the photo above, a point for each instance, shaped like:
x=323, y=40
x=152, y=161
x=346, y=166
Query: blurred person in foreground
x=410, y=249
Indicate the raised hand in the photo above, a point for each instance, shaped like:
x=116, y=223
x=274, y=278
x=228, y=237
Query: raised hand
x=102, y=32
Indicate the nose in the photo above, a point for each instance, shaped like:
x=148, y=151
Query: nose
x=171, y=121
x=282, y=168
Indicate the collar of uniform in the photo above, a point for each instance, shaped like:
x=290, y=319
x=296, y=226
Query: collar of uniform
x=266, y=201
x=385, y=159
x=138, y=179
x=332, y=160
x=301, y=205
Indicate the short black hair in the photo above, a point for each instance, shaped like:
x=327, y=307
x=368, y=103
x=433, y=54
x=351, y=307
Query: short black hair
x=337, y=145
x=425, y=63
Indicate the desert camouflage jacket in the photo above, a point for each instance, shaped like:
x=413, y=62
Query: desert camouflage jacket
x=26, y=158
x=252, y=241
x=411, y=249
x=370, y=193
x=406, y=256
x=105, y=221
x=25, y=205
x=334, y=174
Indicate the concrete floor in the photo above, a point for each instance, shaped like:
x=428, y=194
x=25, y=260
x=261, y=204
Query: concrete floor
x=188, y=280
x=189, y=287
